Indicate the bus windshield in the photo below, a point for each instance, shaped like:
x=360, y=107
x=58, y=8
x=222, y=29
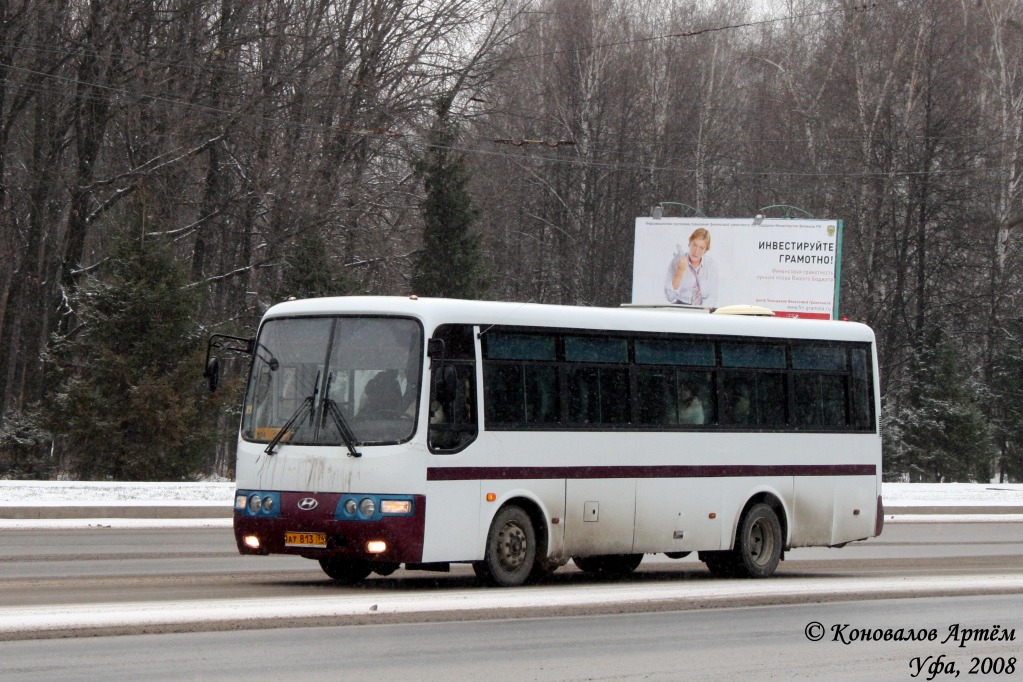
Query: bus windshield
x=337, y=381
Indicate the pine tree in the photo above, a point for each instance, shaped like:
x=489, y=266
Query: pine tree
x=940, y=433
x=310, y=272
x=130, y=404
x=450, y=263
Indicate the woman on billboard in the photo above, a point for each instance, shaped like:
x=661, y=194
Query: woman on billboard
x=692, y=277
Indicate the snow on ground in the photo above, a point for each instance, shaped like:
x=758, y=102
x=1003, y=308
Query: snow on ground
x=100, y=493
x=972, y=498
x=953, y=494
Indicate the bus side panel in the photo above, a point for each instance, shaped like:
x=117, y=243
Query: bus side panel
x=452, y=521
x=855, y=509
x=812, y=511
x=674, y=515
x=600, y=516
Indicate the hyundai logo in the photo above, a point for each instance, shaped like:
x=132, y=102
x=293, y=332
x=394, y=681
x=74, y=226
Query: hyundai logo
x=307, y=503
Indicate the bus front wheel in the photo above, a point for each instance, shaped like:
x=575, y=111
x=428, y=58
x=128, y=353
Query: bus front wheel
x=510, y=553
x=346, y=571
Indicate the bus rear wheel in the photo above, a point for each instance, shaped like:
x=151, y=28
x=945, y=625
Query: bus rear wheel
x=510, y=554
x=611, y=565
x=346, y=571
x=759, y=543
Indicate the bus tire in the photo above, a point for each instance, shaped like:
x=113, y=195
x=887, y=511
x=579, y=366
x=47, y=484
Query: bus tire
x=610, y=565
x=510, y=554
x=758, y=545
x=346, y=571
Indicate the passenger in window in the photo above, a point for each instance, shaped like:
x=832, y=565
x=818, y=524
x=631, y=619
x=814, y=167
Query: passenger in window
x=437, y=414
x=742, y=409
x=690, y=407
x=692, y=277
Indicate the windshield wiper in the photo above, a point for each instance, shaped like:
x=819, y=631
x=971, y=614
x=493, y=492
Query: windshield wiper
x=306, y=404
x=330, y=407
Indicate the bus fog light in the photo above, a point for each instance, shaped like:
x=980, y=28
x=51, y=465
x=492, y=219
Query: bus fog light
x=368, y=507
x=395, y=506
x=376, y=546
x=251, y=541
x=255, y=504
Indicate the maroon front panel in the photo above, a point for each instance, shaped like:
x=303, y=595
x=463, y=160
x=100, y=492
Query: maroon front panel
x=345, y=538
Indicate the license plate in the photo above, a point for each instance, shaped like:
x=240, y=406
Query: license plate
x=305, y=539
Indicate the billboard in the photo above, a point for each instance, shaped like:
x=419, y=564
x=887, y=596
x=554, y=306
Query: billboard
x=789, y=265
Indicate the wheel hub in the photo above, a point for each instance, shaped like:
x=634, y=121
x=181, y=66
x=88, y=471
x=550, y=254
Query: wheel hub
x=513, y=546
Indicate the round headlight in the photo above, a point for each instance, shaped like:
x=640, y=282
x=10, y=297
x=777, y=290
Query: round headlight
x=350, y=507
x=368, y=507
x=255, y=504
x=268, y=503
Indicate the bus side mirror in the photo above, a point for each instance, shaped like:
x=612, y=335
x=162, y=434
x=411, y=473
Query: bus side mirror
x=435, y=349
x=212, y=373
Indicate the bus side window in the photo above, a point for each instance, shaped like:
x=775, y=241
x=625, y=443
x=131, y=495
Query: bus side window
x=738, y=402
x=453, y=419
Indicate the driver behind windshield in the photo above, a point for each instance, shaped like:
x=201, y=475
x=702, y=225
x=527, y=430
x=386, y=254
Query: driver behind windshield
x=382, y=396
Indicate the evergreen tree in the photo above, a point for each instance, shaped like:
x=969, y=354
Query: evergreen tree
x=310, y=272
x=940, y=433
x=130, y=404
x=450, y=263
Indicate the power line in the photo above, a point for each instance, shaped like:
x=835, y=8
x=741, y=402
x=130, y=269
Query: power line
x=862, y=7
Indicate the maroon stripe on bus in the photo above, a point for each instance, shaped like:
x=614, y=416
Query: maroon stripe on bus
x=720, y=471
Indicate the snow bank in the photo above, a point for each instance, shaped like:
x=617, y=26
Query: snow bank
x=55, y=493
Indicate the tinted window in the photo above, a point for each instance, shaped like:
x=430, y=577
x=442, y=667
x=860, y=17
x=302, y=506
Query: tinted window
x=598, y=395
x=521, y=394
x=752, y=355
x=590, y=349
x=818, y=357
x=503, y=346
x=674, y=352
x=754, y=399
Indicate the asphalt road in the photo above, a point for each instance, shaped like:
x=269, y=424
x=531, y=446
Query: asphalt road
x=218, y=615
x=794, y=642
x=125, y=566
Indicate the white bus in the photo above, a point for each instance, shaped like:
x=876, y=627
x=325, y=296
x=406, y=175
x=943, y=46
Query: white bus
x=382, y=431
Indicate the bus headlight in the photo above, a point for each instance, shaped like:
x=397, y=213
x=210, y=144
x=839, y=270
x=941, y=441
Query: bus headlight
x=367, y=507
x=255, y=504
x=268, y=504
x=351, y=506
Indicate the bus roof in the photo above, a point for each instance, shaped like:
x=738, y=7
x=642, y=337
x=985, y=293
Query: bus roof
x=435, y=311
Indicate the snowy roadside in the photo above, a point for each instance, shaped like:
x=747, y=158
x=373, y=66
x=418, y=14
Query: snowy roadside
x=68, y=504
